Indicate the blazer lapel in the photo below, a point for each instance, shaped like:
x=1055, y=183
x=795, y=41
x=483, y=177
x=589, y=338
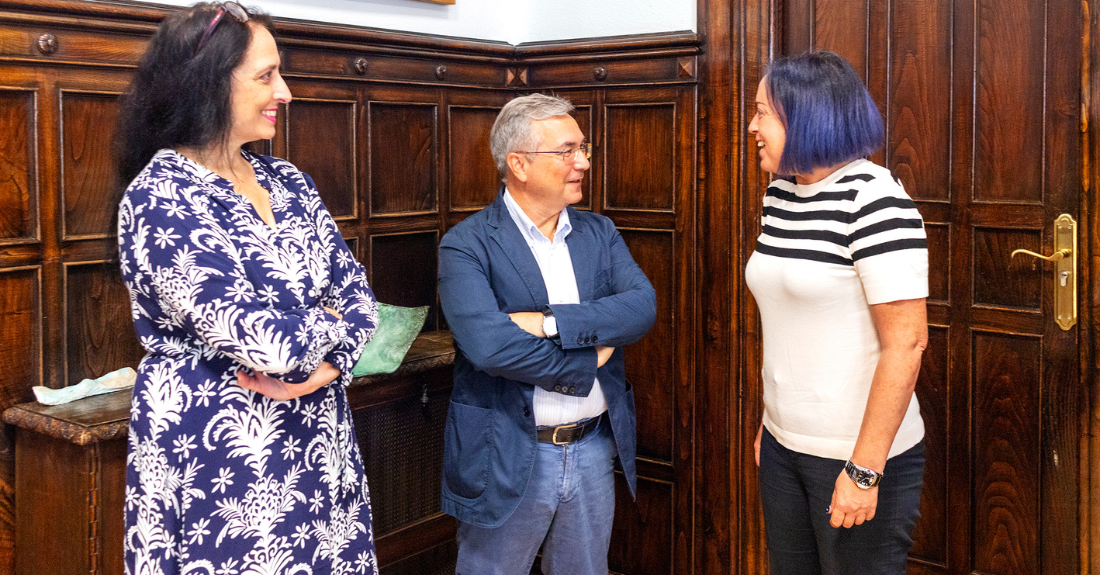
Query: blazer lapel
x=581, y=251
x=506, y=234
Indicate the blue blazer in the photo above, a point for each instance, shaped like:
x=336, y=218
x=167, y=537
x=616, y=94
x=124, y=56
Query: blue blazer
x=486, y=271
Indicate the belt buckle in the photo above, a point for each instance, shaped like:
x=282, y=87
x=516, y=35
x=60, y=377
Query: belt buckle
x=554, y=437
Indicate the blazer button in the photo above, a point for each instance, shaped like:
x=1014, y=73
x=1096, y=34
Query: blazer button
x=588, y=340
x=580, y=339
x=557, y=388
x=595, y=339
x=572, y=390
x=526, y=411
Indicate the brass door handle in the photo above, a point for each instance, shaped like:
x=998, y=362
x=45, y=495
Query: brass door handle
x=1065, y=270
x=1054, y=257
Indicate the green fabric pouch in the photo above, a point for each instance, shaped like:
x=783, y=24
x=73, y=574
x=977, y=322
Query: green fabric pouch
x=397, y=328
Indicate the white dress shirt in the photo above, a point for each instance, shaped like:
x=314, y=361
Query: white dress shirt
x=561, y=287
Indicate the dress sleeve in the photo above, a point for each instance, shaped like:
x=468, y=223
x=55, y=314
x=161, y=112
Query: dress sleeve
x=349, y=293
x=185, y=275
x=888, y=244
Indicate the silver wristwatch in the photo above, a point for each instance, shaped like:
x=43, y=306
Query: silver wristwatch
x=864, y=478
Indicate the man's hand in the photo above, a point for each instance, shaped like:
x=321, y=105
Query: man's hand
x=264, y=384
x=530, y=322
x=852, y=505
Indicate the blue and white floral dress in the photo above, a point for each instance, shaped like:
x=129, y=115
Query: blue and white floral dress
x=221, y=480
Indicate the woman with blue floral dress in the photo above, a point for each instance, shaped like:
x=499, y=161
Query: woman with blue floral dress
x=252, y=310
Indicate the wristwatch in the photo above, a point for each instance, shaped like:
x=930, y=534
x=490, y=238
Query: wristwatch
x=549, y=324
x=864, y=478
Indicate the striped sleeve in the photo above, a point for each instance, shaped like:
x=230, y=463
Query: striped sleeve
x=887, y=243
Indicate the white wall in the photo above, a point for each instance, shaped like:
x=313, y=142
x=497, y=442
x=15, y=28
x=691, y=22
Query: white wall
x=512, y=21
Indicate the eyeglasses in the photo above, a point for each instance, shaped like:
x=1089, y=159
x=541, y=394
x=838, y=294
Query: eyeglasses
x=567, y=156
x=233, y=9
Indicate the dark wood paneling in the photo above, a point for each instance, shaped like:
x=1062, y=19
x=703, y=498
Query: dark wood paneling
x=939, y=250
x=1006, y=454
x=99, y=330
x=18, y=183
x=20, y=336
x=930, y=537
x=920, y=98
x=1009, y=115
x=403, y=158
x=403, y=271
x=841, y=26
x=328, y=155
x=88, y=171
x=640, y=156
x=650, y=362
x=474, y=179
x=642, y=538
x=1001, y=280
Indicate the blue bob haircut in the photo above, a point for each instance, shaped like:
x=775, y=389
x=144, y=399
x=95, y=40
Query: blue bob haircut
x=829, y=116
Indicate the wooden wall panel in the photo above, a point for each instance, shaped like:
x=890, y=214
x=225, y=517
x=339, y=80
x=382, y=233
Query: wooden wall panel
x=1008, y=119
x=474, y=179
x=327, y=154
x=87, y=168
x=584, y=117
x=1007, y=459
x=403, y=271
x=99, y=330
x=642, y=540
x=18, y=179
x=1001, y=280
x=842, y=27
x=919, y=98
x=939, y=251
x=403, y=158
x=650, y=362
x=640, y=156
x=930, y=537
x=20, y=334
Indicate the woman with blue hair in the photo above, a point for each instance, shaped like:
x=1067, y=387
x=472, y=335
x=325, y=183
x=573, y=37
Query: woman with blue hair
x=840, y=274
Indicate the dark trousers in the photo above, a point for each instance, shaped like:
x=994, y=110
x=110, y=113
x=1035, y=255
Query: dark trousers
x=796, y=490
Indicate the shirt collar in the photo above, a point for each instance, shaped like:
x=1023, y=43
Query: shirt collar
x=528, y=228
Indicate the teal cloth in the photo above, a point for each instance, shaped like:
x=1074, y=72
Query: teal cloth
x=397, y=328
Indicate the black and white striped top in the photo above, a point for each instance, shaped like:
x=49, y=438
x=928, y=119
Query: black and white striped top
x=828, y=251
x=856, y=216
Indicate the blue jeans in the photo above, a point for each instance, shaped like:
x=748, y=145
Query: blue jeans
x=796, y=489
x=567, y=509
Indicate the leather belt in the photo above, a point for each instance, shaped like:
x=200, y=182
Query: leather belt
x=566, y=434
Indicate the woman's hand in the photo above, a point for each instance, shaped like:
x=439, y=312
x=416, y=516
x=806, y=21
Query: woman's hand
x=266, y=385
x=851, y=505
x=756, y=444
x=334, y=313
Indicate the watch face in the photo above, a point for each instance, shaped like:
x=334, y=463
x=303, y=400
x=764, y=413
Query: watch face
x=865, y=479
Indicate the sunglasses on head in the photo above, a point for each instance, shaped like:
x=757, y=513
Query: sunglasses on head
x=233, y=9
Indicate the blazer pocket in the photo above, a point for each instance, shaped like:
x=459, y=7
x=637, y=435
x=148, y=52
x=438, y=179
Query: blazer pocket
x=466, y=449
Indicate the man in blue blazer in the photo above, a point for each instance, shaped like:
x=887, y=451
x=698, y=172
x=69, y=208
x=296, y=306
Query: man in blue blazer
x=540, y=298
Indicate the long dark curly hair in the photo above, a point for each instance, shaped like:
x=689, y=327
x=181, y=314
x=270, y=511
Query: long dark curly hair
x=180, y=95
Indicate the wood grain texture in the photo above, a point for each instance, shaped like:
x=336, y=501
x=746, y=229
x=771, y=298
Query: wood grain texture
x=651, y=362
x=639, y=154
x=474, y=179
x=403, y=271
x=88, y=171
x=328, y=155
x=18, y=185
x=99, y=330
x=403, y=158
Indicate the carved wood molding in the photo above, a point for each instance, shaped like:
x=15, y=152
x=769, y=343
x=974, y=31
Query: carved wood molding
x=26, y=417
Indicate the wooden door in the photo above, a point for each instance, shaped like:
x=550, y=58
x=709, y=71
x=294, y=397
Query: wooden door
x=983, y=108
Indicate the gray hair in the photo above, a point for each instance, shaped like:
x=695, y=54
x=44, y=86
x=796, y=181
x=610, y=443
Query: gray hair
x=512, y=129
